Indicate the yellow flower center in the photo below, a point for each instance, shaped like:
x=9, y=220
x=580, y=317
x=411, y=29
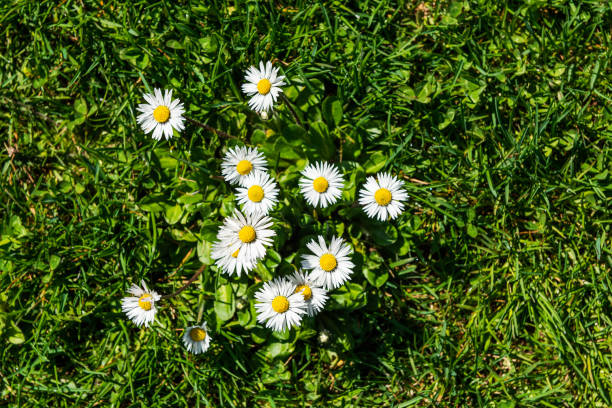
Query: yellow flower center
x=161, y=114
x=235, y=254
x=382, y=196
x=280, y=304
x=256, y=193
x=320, y=184
x=263, y=86
x=144, y=303
x=197, y=334
x=247, y=234
x=244, y=167
x=306, y=291
x=328, y=262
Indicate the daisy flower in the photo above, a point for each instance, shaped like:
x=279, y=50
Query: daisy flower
x=161, y=114
x=279, y=306
x=331, y=265
x=263, y=85
x=140, y=308
x=314, y=295
x=228, y=261
x=248, y=236
x=382, y=199
x=322, y=184
x=258, y=194
x=196, y=338
x=239, y=162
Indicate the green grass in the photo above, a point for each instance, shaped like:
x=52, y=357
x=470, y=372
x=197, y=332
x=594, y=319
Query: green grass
x=492, y=289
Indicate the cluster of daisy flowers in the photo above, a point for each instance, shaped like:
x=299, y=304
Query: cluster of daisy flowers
x=244, y=237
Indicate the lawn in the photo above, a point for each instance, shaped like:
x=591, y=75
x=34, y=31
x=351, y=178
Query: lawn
x=492, y=289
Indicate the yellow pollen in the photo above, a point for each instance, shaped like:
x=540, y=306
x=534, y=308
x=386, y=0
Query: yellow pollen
x=247, y=234
x=197, y=334
x=280, y=304
x=144, y=303
x=382, y=196
x=328, y=262
x=244, y=167
x=235, y=254
x=161, y=114
x=256, y=194
x=306, y=291
x=263, y=86
x=320, y=184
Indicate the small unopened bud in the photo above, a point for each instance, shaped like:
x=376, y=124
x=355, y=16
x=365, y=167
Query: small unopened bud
x=324, y=336
x=241, y=304
x=264, y=115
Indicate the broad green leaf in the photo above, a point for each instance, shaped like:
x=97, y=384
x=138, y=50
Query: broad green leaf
x=376, y=277
x=332, y=111
x=376, y=162
x=15, y=335
x=153, y=202
x=225, y=305
x=173, y=214
x=350, y=296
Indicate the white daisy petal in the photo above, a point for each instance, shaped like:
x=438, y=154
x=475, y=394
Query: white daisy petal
x=161, y=114
x=263, y=86
x=279, y=306
x=382, y=199
x=314, y=295
x=330, y=265
x=239, y=162
x=244, y=238
x=321, y=184
x=140, y=307
x=258, y=194
x=197, y=338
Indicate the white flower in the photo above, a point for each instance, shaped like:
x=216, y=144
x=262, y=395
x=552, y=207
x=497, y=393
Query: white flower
x=382, y=199
x=314, y=295
x=258, y=194
x=196, y=338
x=228, y=261
x=264, y=84
x=161, y=114
x=279, y=306
x=239, y=162
x=322, y=184
x=331, y=265
x=248, y=235
x=140, y=308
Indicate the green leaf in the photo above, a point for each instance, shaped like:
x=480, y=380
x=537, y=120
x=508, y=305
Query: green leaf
x=376, y=277
x=350, y=296
x=17, y=229
x=167, y=162
x=135, y=56
x=190, y=198
x=376, y=162
x=173, y=214
x=278, y=350
x=384, y=234
x=332, y=110
x=225, y=304
x=15, y=335
x=322, y=140
x=472, y=230
x=203, y=250
x=80, y=107
x=54, y=261
x=153, y=203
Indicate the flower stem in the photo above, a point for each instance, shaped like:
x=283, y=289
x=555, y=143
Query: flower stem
x=293, y=113
x=189, y=282
x=210, y=128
